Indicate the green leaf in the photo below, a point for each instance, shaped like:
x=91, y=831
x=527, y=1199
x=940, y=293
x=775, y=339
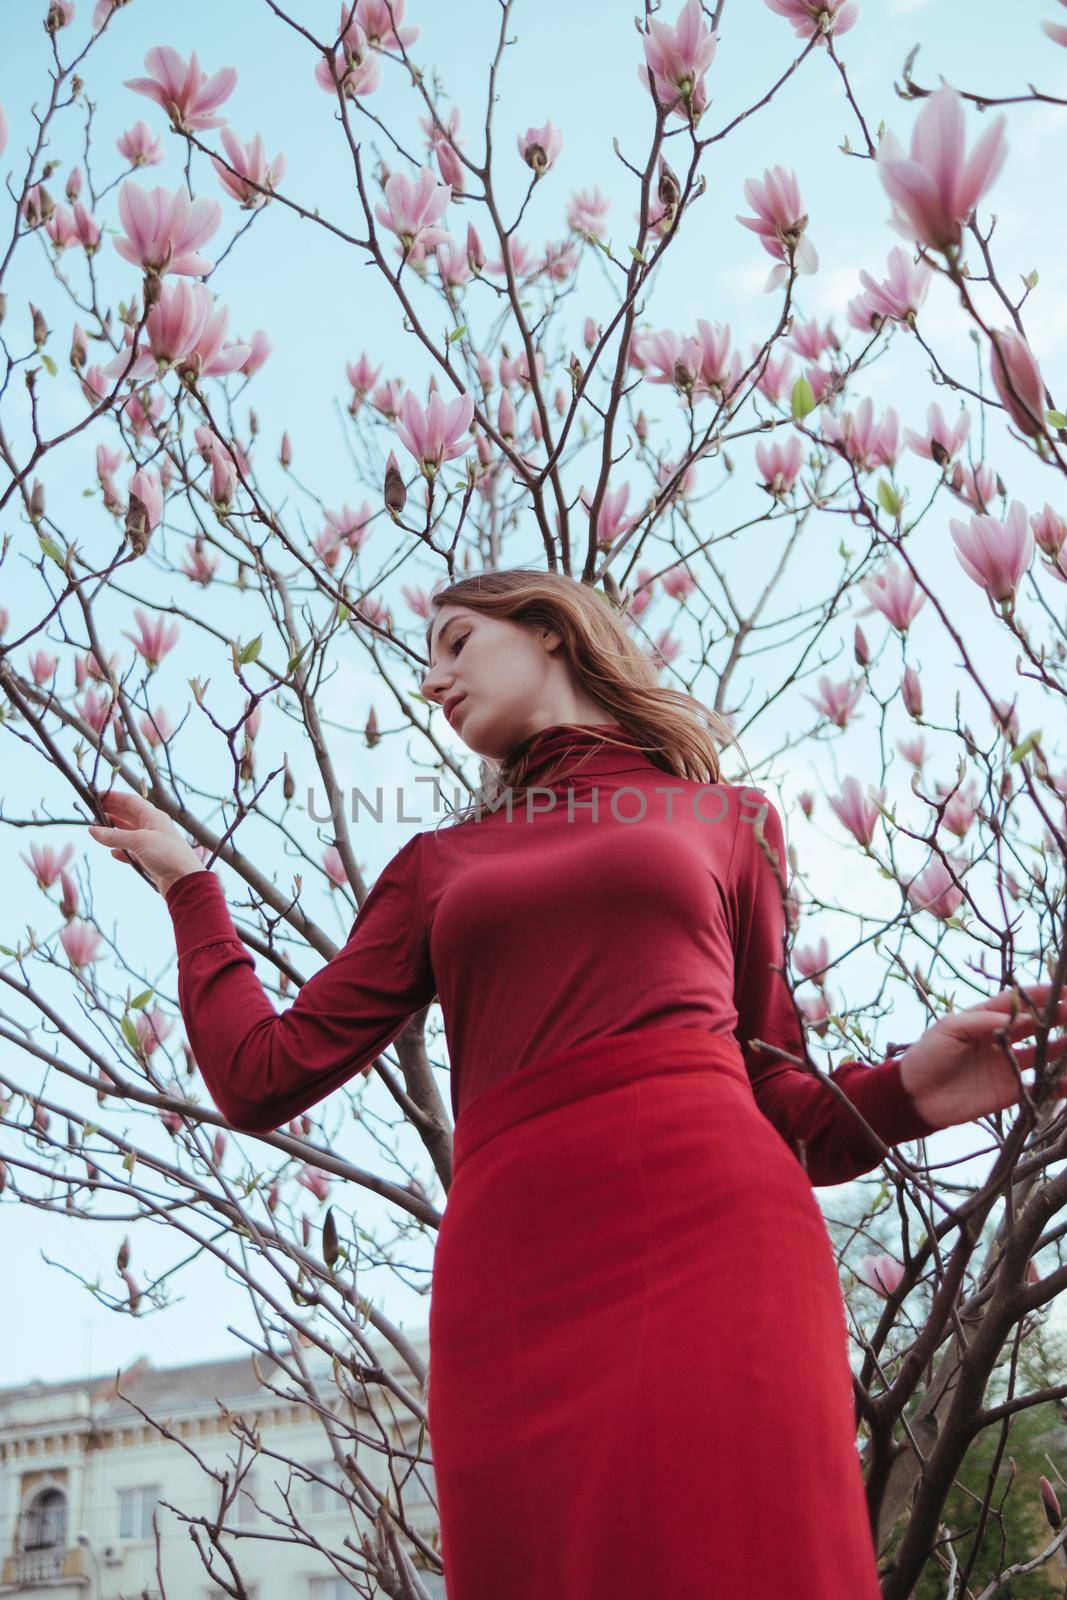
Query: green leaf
x=1021, y=751
x=802, y=401
x=48, y=364
x=50, y=548
x=130, y=1031
x=5, y=951
x=342, y=612
x=888, y=498
x=142, y=999
x=639, y=255
x=1057, y=419
x=251, y=650
x=457, y=333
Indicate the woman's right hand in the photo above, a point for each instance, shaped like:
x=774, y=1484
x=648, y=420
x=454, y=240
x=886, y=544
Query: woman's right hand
x=145, y=834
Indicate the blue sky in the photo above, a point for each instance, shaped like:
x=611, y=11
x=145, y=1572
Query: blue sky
x=321, y=305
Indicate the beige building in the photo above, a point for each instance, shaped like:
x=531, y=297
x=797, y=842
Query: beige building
x=83, y=1476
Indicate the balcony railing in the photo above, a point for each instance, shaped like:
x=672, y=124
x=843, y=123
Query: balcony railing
x=43, y=1566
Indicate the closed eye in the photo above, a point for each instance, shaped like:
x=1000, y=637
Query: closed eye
x=455, y=643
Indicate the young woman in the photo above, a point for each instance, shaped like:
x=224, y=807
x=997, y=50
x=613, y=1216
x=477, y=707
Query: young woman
x=639, y=1375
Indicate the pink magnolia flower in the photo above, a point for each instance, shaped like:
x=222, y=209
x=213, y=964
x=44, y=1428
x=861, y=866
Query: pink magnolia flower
x=539, y=147
x=780, y=465
x=516, y=255
x=198, y=565
x=678, y=582
x=145, y=485
x=354, y=65
x=674, y=359
x=453, y=264
x=942, y=439
x=140, y=146
x=775, y=378
x=1057, y=31
x=351, y=526
x=102, y=11
x=381, y=22
x=720, y=369
x=977, y=487
x=935, y=189
x=334, y=867
x=60, y=14
x=412, y=208
x=81, y=942
x=316, y=1180
x=587, y=211
x=181, y=88
x=45, y=864
x=855, y=810
x=780, y=221
x=156, y=727
x=437, y=433
x=903, y=291
x=98, y=710
x=816, y=17
x=894, y=592
x=961, y=810
x=87, y=229
x=60, y=228
x=42, y=666
x=108, y=461
x=68, y=900
x=174, y=325
x=1050, y=531
x=445, y=142
x=677, y=58
x=837, y=701
x=612, y=521
x=911, y=693
x=259, y=348
x=362, y=376
x=560, y=260
x=164, y=229
x=665, y=648
x=933, y=889
x=882, y=1273
x=684, y=485
x=386, y=399
x=913, y=750
x=154, y=637
x=151, y=1028
x=810, y=340
x=251, y=167
x=811, y=961
x=1018, y=380
x=860, y=440
x=995, y=554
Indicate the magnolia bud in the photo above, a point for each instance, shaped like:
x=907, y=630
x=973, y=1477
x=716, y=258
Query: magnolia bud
x=288, y=783
x=911, y=690
x=370, y=731
x=40, y=327
x=860, y=647
x=395, y=493
x=1050, y=1503
x=330, y=1248
x=122, y=1260
x=79, y=348
x=285, y=453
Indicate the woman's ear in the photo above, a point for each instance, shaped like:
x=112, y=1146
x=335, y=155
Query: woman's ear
x=551, y=639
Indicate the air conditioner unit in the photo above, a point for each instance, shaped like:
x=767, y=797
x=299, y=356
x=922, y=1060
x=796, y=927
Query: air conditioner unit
x=112, y=1557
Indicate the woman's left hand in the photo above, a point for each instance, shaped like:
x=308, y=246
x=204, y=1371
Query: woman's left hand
x=960, y=1068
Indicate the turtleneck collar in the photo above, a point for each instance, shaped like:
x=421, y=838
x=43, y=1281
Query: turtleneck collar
x=596, y=748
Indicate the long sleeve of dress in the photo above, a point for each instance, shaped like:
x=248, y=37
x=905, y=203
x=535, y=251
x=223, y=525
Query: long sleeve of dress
x=794, y=1101
x=262, y=1067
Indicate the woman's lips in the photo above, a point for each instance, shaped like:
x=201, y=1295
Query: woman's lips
x=454, y=707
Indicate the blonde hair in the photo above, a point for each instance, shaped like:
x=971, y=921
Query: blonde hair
x=677, y=732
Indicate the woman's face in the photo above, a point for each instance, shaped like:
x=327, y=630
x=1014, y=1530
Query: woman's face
x=513, y=679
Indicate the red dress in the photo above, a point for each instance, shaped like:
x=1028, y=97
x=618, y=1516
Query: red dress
x=639, y=1377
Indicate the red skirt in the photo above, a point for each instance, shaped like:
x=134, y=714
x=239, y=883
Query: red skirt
x=639, y=1382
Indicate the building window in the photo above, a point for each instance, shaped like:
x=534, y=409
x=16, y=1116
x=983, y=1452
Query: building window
x=322, y=1500
x=44, y=1525
x=246, y=1497
x=136, y=1506
x=332, y=1588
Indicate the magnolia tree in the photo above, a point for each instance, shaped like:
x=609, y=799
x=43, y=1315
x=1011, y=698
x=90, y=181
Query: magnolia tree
x=557, y=420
